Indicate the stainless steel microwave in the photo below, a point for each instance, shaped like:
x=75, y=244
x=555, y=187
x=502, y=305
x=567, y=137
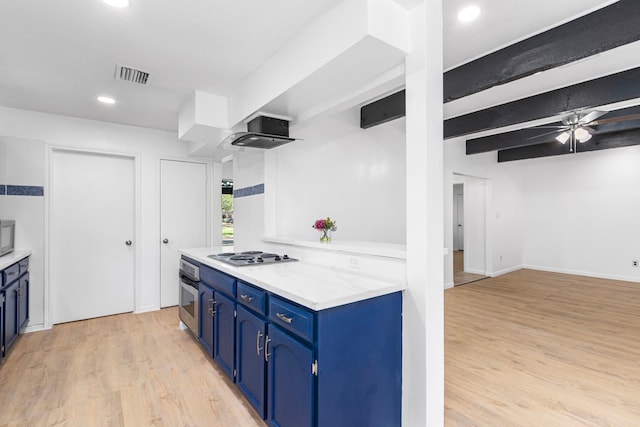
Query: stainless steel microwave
x=7, y=236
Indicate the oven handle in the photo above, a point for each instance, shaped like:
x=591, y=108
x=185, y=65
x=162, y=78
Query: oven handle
x=189, y=281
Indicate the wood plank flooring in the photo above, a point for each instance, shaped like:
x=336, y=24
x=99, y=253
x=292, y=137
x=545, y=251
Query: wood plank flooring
x=123, y=370
x=534, y=348
x=528, y=348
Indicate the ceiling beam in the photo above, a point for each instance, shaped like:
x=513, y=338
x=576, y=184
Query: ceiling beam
x=383, y=110
x=612, y=26
x=597, y=142
x=610, y=89
x=533, y=136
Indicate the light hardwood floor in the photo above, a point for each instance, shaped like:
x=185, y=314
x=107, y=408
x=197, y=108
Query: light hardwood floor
x=525, y=349
x=125, y=370
x=534, y=348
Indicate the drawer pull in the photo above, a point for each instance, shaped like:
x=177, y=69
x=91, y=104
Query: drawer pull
x=284, y=318
x=258, y=348
x=212, y=307
x=246, y=298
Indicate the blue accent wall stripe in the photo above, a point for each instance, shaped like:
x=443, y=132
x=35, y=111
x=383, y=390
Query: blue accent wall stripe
x=24, y=190
x=248, y=191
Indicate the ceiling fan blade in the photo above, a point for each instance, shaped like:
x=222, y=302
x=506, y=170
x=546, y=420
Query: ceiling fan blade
x=588, y=118
x=615, y=119
x=545, y=134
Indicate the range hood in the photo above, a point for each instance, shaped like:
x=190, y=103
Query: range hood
x=263, y=132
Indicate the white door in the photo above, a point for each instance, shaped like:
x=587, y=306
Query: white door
x=460, y=222
x=183, y=210
x=92, y=247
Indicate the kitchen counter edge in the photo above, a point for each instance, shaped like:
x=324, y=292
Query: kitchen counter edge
x=13, y=257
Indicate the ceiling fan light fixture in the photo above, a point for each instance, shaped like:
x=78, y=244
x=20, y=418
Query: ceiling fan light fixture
x=582, y=135
x=563, y=137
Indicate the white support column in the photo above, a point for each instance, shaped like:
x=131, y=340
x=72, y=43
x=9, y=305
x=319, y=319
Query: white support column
x=423, y=319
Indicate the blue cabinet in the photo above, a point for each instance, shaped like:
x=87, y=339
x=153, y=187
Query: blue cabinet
x=11, y=326
x=206, y=316
x=224, y=334
x=23, y=301
x=290, y=381
x=250, y=359
x=338, y=367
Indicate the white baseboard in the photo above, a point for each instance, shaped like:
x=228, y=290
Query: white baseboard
x=505, y=271
x=448, y=285
x=583, y=273
x=147, y=309
x=35, y=328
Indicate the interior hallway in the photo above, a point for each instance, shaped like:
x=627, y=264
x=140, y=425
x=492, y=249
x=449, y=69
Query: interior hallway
x=459, y=275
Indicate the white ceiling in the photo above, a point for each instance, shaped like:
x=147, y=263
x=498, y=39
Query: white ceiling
x=57, y=56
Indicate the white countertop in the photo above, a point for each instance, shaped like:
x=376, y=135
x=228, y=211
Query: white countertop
x=13, y=257
x=310, y=285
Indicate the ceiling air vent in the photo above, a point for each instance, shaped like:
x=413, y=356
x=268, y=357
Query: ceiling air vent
x=129, y=74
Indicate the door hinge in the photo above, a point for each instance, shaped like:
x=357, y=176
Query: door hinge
x=314, y=368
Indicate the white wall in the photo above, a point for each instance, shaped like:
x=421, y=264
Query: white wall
x=148, y=145
x=581, y=213
x=354, y=176
x=503, y=209
x=22, y=162
x=248, y=210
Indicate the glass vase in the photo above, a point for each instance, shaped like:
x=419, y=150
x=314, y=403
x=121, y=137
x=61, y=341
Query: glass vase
x=326, y=236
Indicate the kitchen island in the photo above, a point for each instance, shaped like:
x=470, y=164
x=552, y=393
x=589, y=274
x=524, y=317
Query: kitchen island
x=307, y=345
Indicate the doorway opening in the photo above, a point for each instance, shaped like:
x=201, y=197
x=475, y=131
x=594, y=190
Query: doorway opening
x=469, y=229
x=227, y=204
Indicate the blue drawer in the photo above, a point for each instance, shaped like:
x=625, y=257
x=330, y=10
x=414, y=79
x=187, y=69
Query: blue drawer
x=293, y=318
x=24, y=265
x=255, y=299
x=218, y=280
x=10, y=274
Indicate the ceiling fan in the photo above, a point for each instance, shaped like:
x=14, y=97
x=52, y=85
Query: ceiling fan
x=577, y=127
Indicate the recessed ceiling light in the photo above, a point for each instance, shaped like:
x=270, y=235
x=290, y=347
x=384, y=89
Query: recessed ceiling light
x=117, y=3
x=106, y=100
x=468, y=14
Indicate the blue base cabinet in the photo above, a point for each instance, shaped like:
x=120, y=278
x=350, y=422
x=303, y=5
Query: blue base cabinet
x=360, y=363
x=224, y=334
x=206, y=316
x=339, y=367
x=14, y=303
x=251, y=332
x=11, y=302
x=290, y=381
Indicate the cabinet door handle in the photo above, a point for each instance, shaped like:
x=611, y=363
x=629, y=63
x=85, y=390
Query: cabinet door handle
x=266, y=349
x=246, y=298
x=284, y=318
x=212, y=307
x=258, y=348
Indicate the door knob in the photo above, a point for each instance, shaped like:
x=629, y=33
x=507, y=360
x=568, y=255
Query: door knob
x=128, y=243
x=165, y=241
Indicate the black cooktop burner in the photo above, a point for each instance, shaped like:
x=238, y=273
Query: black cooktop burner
x=251, y=258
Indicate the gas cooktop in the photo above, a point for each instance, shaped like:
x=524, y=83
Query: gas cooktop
x=240, y=259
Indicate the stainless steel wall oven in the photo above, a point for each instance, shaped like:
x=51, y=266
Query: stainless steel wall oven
x=189, y=288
